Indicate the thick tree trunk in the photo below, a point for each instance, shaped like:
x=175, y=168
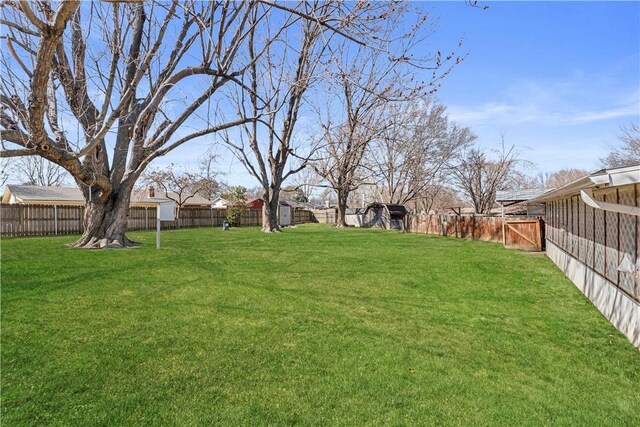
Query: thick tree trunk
x=341, y=221
x=270, y=213
x=105, y=222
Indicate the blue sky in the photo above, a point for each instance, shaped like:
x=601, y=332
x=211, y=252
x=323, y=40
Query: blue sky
x=558, y=79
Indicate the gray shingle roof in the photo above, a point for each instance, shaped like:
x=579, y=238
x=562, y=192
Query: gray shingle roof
x=53, y=194
x=27, y=193
x=520, y=195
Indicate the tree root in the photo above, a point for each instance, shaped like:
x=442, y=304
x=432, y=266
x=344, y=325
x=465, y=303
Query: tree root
x=105, y=243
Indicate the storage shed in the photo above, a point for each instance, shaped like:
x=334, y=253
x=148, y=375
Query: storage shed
x=384, y=215
x=592, y=236
x=354, y=217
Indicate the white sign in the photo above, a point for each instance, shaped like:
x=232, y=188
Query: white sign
x=167, y=211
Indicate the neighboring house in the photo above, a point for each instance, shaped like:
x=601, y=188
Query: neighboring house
x=220, y=203
x=255, y=204
x=40, y=195
x=592, y=235
x=384, y=215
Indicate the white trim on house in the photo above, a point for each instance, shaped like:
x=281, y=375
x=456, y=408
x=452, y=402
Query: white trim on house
x=592, y=235
x=587, y=198
x=602, y=178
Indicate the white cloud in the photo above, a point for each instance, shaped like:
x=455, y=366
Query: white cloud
x=573, y=101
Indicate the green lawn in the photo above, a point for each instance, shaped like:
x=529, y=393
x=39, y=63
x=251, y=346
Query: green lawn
x=313, y=326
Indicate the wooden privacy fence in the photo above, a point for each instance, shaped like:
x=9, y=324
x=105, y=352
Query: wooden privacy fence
x=527, y=234
x=301, y=216
x=324, y=216
x=47, y=220
x=523, y=233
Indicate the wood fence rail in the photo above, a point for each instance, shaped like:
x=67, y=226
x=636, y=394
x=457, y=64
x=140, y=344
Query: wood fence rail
x=521, y=232
x=48, y=220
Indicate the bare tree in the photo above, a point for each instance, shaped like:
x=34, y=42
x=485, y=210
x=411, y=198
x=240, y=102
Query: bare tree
x=177, y=184
x=436, y=199
x=306, y=181
x=413, y=153
x=629, y=152
x=361, y=81
x=37, y=171
x=208, y=185
x=479, y=178
x=137, y=87
x=279, y=81
x=137, y=78
x=5, y=172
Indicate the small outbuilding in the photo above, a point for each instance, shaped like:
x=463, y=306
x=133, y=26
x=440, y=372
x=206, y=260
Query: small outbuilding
x=354, y=217
x=385, y=215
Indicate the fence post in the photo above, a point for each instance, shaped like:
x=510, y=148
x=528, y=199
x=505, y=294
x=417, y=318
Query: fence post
x=55, y=219
x=21, y=216
x=473, y=227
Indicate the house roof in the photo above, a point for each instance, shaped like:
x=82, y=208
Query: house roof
x=37, y=193
x=520, y=195
x=600, y=179
x=28, y=193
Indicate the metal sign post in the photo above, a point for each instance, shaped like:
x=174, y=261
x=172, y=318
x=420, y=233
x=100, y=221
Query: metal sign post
x=166, y=212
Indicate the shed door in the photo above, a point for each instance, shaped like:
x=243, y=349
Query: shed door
x=285, y=215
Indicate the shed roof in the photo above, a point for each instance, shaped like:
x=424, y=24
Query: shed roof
x=392, y=208
x=603, y=178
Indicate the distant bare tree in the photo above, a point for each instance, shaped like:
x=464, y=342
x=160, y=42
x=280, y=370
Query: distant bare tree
x=628, y=153
x=37, y=171
x=361, y=82
x=479, y=178
x=563, y=177
x=306, y=181
x=5, y=172
x=438, y=199
x=208, y=184
x=414, y=151
x=520, y=180
x=177, y=184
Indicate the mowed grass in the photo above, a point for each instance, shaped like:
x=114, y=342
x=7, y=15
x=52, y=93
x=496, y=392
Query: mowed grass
x=313, y=326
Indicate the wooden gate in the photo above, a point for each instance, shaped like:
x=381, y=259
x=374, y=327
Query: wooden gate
x=523, y=234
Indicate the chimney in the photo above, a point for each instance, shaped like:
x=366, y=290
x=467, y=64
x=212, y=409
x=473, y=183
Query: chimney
x=151, y=192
